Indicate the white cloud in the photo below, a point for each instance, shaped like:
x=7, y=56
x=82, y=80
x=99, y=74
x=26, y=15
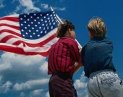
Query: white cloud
x=47, y=94
x=37, y=93
x=47, y=6
x=22, y=94
x=30, y=84
x=0, y=78
x=81, y=83
x=12, y=58
x=44, y=67
x=5, y=87
x=31, y=70
x=59, y=8
x=30, y=74
x=16, y=10
x=5, y=66
x=1, y=5
x=81, y=86
x=28, y=4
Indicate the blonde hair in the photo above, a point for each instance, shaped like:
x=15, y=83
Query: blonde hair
x=97, y=26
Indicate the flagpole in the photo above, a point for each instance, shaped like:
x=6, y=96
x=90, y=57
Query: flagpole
x=59, y=20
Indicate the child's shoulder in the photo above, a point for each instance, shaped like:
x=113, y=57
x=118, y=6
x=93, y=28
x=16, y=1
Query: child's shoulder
x=107, y=40
x=70, y=41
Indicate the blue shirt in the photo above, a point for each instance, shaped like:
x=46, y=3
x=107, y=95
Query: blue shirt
x=97, y=55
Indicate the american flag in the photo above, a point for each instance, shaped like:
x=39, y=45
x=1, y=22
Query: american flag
x=28, y=34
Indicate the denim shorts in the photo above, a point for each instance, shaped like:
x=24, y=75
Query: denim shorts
x=105, y=84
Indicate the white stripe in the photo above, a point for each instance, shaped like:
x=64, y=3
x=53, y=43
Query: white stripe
x=28, y=40
x=27, y=49
x=51, y=42
x=14, y=15
x=6, y=34
x=9, y=28
x=4, y=44
x=34, y=49
x=44, y=48
x=2, y=36
x=9, y=41
x=13, y=40
x=9, y=22
x=30, y=49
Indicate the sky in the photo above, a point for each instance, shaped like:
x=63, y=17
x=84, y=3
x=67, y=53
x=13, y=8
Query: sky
x=26, y=76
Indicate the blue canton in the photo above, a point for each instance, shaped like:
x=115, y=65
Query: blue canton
x=36, y=25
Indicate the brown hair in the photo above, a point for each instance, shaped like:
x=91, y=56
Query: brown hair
x=97, y=26
x=63, y=28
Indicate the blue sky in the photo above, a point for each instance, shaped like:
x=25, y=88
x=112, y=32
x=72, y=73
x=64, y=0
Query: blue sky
x=22, y=76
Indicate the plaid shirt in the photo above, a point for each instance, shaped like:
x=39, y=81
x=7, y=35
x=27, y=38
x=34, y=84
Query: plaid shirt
x=63, y=55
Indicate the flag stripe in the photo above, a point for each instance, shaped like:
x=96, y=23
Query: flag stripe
x=36, y=44
x=5, y=39
x=20, y=50
x=26, y=48
x=8, y=25
x=12, y=39
x=2, y=35
x=10, y=22
x=9, y=28
x=10, y=31
x=15, y=19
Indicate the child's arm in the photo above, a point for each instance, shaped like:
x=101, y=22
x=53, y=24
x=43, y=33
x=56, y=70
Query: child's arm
x=80, y=64
x=77, y=66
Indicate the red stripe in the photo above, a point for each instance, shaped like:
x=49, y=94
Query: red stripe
x=9, y=25
x=15, y=19
x=18, y=50
x=36, y=44
x=3, y=40
x=10, y=31
x=6, y=38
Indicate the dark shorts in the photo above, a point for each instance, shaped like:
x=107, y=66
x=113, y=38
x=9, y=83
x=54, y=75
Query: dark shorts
x=61, y=85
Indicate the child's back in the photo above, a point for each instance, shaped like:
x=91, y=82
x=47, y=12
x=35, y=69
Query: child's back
x=97, y=60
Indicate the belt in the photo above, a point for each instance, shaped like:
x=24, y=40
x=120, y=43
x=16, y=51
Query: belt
x=101, y=72
x=63, y=75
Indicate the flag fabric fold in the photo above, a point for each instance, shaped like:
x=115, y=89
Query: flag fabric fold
x=28, y=34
